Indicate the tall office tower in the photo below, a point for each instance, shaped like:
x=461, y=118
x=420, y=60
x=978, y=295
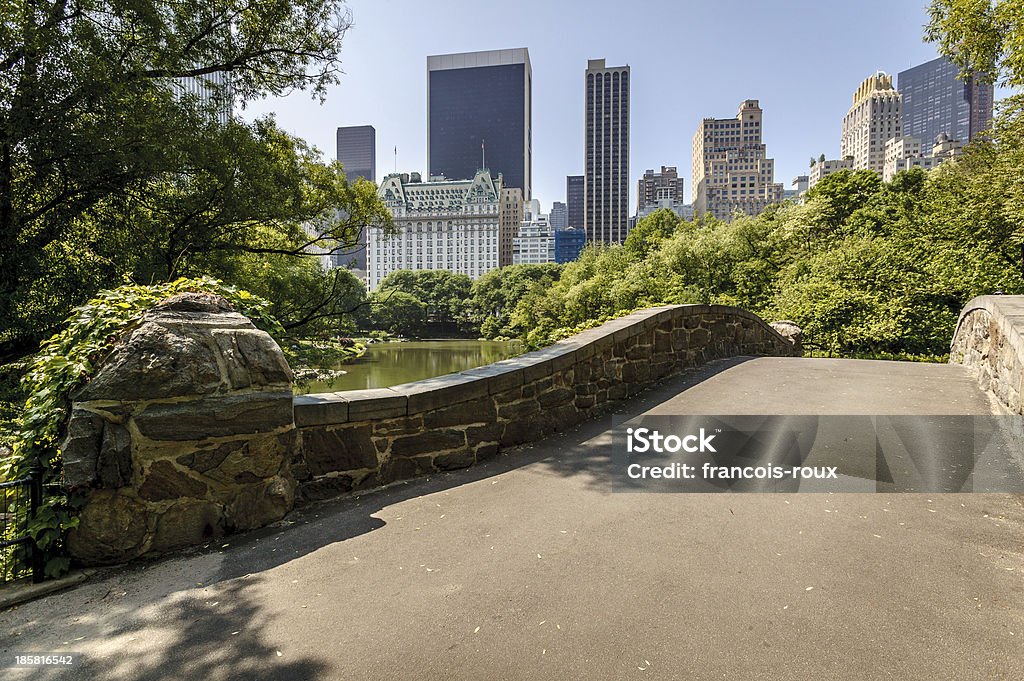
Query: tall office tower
x=606, y=153
x=357, y=152
x=575, y=191
x=510, y=217
x=653, y=188
x=874, y=118
x=731, y=169
x=479, y=106
x=439, y=225
x=936, y=101
x=559, y=216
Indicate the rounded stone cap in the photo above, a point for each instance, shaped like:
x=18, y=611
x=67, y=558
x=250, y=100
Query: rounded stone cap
x=194, y=302
x=791, y=332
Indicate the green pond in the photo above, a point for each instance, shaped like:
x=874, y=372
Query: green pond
x=387, y=364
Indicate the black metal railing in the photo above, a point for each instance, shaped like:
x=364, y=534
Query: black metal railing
x=19, y=501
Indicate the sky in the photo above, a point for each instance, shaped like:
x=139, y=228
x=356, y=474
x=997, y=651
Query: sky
x=689, y=60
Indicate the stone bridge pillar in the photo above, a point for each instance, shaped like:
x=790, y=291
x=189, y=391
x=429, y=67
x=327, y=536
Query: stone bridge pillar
x=185, y=432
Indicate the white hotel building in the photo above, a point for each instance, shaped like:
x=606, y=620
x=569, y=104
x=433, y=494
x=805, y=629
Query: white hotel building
x=439, y=225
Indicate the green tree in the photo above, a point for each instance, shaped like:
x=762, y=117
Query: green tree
x=398, y=312
x=106, y=158
x=651, y=230
x=304, y=298
x=445, y=295
x=496, y=294
x=981, y=35
x=838, y=195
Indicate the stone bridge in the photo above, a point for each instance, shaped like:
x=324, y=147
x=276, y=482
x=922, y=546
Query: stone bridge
x=526, y=565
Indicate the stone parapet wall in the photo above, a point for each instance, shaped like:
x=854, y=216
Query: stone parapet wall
x=366, y=438
x=184, y=433
x=989, y=340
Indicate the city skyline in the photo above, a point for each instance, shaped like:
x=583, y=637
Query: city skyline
x=804, y=96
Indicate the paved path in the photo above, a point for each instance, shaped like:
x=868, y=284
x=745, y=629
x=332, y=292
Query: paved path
x=527, y=567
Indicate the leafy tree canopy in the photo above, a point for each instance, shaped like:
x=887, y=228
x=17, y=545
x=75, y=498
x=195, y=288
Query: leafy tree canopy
x=111, y=167
x=981, y=35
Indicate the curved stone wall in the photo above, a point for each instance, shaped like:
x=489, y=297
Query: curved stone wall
x=366, y=438
x=989, y=340
x=189, y=429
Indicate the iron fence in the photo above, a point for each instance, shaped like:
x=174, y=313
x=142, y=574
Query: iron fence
x=19, y=501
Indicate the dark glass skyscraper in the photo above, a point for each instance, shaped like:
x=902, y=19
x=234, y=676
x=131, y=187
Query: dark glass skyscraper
x=479, y=106
x=606, y=155
x=575, y=193
x=357, y=152
x=936, y=101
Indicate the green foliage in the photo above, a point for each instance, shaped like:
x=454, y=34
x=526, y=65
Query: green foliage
x=307, y=300
x=495, y=295
x=981, y=35
x=110, y=170
x=398, y=313
x=536, y=339
x=65, y=361
x=866, y=268
x=650, y=231
x=318, y=359
x=431, y=301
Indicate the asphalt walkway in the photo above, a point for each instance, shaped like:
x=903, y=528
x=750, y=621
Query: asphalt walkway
x=529, y=567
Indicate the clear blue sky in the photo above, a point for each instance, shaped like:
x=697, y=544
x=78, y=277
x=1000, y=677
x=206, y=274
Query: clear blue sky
x=801, y=58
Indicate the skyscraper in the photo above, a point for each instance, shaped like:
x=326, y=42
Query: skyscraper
x=479, y=115
x=936, y=101
x=535, y=242
x=654, y=187
x=575, y=191
x=606, y=152
x=873, y=119
x=559, y=217
x=357, y=153
x=510, y=217
x=731, y=169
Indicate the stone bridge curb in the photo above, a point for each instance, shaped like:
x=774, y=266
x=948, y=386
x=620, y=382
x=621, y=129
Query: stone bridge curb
x=989, y=341
x=365, y=438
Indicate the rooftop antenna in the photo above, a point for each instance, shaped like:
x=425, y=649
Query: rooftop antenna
x=396, y=158
x=483, y=155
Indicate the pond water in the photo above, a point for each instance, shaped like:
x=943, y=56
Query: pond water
x=388, y=364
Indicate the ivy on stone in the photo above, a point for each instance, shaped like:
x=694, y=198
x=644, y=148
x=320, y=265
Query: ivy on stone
x=65, y=362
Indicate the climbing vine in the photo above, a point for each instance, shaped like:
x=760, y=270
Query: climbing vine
x=63, y=363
